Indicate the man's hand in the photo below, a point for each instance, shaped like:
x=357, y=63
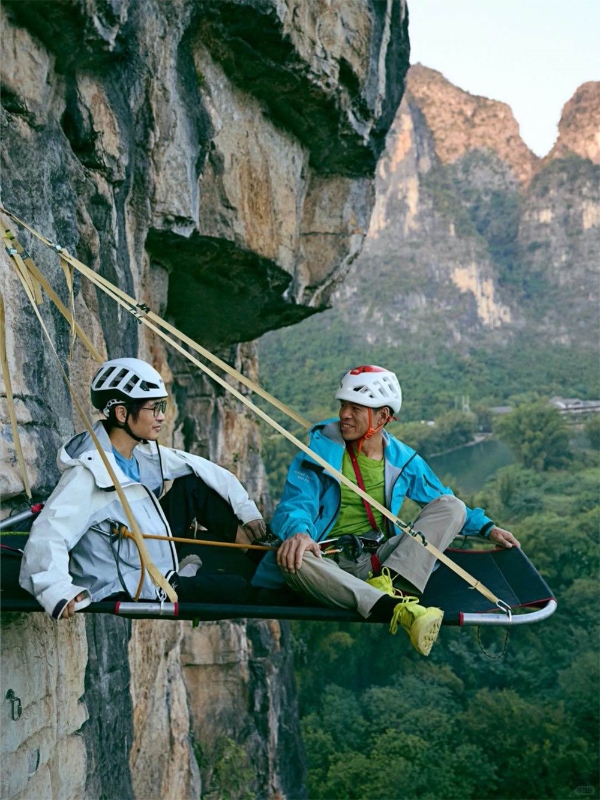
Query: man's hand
x=503, y=538
x=289, y=555
x=256, y=529
x=69, y=609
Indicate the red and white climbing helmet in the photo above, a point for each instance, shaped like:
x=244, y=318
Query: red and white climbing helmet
x=371, y=386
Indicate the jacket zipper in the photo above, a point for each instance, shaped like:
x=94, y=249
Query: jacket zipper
x=160, y=513
x=331, y=521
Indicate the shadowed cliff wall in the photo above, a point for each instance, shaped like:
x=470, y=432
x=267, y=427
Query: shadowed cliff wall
x=215, y=160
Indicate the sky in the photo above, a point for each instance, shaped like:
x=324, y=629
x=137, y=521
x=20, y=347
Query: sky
x=531, y=54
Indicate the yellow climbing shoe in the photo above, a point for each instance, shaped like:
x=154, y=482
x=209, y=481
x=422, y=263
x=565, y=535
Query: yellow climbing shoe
x=422, y=624
x=384, y=583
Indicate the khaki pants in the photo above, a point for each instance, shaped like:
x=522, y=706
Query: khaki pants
x=343, y=585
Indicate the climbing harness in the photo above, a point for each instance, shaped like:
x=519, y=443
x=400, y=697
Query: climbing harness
x=31, y=280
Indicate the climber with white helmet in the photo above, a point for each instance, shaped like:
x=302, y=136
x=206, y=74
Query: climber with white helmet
x=74, y=554
x=377, y=570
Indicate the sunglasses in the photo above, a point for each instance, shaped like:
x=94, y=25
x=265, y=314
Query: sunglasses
x=158, y=408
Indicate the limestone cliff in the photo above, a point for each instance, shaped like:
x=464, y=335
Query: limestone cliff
x=467, y=213
x=214, y=158
x=460, y=122
x=579, y=126
x=447, y=154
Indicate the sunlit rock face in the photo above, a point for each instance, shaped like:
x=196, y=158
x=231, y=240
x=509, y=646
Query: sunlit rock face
x=460, y=122
x=560, y=230
x=579, y=126
x=215, y=160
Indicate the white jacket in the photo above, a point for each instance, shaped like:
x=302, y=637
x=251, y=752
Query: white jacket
x=70, y=549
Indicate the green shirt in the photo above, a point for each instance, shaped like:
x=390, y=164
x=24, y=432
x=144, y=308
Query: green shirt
x=353, y=516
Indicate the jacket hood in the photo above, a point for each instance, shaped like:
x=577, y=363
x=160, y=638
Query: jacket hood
x=81, y=451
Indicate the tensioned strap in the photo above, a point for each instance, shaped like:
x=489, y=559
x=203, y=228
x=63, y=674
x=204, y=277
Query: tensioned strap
x=145, y=559
x=13, y=243
x=139, y=310
x=143, y=316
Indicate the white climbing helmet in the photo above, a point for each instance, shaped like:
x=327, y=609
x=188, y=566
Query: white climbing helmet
x=371, y=386
x=123, y=380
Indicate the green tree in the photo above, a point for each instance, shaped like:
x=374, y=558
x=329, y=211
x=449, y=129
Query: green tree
x=592, y=430
x=537, y=434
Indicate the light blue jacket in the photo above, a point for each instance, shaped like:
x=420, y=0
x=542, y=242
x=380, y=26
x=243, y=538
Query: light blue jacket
x=311, y=496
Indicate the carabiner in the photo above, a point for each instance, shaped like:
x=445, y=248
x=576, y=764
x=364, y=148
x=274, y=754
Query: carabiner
x=505, y=608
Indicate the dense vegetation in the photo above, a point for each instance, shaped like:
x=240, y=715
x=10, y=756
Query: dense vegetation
x=432, y=379
x=379, y=721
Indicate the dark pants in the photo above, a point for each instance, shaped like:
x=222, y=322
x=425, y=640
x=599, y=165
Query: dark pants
x=225, y=572
x=189, y=499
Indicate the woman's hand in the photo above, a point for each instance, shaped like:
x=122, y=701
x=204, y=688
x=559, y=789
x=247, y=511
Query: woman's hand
x=69, y=609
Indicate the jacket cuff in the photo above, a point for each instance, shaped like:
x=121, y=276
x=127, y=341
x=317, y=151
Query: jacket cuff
x=58, y=609
x=248, y=512
x=485, y=531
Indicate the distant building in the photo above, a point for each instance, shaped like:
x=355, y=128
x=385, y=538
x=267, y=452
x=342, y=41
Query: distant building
x=501, y=409
x=572, y=405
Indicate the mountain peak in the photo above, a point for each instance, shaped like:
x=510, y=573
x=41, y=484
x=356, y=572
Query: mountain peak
x=579, y=126
x=460, y=121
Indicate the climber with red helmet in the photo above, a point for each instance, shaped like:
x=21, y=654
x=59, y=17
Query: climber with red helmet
x=73, y=557
x=377, y=570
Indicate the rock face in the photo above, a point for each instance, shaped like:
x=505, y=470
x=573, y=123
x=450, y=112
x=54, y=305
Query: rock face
x=579, y=127
x=460, y=122
x=508, y=240
x=450, y=158
x=247, y=739
x=215, y=159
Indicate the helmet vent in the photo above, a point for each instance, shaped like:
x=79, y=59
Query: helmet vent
x=102, y=378
x=117, y=379
x=131, y=383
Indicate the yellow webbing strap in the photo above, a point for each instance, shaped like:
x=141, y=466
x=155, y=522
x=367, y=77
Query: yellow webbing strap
x=144, y=315
x=139, y=310
x=145, y=560
x=123, y=531
x=13, y=243
x=10, y=401
x=68, y=271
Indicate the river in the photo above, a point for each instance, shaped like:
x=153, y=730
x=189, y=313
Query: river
x=470, y=466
